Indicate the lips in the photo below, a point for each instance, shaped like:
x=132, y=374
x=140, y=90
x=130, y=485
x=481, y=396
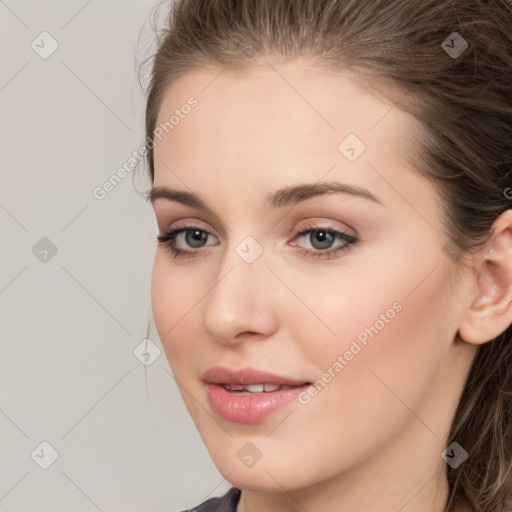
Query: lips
x=247, y=376
x=247, y=395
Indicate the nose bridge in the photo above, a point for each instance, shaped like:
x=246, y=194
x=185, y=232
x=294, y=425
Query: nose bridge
x=240, y=299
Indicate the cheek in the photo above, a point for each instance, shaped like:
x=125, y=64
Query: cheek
x=175, y=295
x=390, y=343
x=391, y=328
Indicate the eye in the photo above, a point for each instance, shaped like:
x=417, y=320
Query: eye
x=186, y=241
x=322, y=239
x=188, y=236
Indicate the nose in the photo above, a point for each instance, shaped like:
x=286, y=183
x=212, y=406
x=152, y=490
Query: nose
x=240, y=305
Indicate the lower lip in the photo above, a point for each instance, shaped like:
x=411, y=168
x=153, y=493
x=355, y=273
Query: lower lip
x=252, y=408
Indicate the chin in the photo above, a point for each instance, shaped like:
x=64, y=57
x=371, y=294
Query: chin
x=271, y=473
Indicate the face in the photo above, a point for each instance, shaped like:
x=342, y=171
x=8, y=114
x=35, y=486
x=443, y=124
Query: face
x=343, y=292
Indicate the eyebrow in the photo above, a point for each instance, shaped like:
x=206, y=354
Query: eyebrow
x=289, y=196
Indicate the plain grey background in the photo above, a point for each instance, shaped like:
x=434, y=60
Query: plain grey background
x=75, y=274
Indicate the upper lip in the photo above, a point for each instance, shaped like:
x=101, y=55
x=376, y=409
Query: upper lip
x=247, y=376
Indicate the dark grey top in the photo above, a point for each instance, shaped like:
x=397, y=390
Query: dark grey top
x=226, y=503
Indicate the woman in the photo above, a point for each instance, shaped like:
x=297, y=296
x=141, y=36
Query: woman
x=332, y=183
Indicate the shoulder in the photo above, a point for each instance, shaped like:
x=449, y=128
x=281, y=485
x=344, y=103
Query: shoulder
x=226, y=503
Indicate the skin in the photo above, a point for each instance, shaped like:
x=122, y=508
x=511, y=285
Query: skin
x=372, y=439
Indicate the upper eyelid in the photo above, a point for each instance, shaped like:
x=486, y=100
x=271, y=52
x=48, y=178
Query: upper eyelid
x=209, y=216
x=319, y=224
x=195, y=224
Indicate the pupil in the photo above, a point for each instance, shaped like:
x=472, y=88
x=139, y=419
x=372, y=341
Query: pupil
x=195, y=238
x=322, y=238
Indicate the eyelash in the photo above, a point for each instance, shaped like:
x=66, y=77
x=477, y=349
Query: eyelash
x=168, y=239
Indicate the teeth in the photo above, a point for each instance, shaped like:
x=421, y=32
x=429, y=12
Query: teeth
x=235, y=387
x=256, y=388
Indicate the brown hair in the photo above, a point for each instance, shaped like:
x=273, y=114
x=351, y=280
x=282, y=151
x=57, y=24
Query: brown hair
x=463, y=104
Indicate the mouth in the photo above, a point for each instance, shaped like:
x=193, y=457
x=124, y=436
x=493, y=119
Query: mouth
x=250, y=389
x=248, y=395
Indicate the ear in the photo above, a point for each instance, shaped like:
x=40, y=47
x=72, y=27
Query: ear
x=490, y=312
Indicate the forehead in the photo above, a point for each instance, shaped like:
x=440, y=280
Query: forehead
x=274, y=120
x=332, y=101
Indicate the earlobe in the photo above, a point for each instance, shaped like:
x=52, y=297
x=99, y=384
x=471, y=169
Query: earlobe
x=490, y=310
